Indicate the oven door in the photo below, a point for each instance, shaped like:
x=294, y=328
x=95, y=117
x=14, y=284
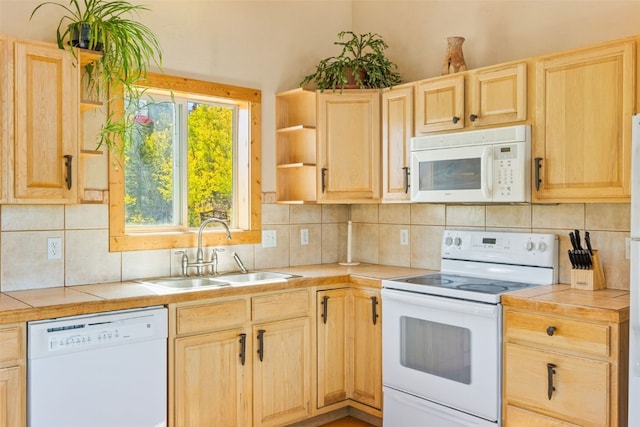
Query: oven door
x=460, y=174
x=444, y=350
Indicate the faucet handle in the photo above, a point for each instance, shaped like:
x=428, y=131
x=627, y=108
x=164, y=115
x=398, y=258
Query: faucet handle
x=184, y=262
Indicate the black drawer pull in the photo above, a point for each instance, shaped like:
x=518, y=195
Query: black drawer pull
x=551, y=370
x=551, y=330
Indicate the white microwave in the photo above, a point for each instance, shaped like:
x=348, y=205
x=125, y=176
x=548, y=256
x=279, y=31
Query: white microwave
x=480, y=166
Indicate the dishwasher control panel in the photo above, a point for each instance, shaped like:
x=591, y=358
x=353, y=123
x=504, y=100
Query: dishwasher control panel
x=78, y=333
x=87, y=334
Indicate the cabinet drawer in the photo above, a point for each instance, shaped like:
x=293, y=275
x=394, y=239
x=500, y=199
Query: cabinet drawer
x=11, y=343
x=582, y=386
x=567, y=334
x=518, y=417
x=281, y=306
x=212, y=316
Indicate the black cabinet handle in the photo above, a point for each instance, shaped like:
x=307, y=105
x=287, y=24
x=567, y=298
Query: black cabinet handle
x=325, y=308
x=374, y=311
x=67, y=163
x=551, y=330
x=261, y=343
x=473, y=117
x=243, y=348
x=455, y=119
x=536, y=171
x=551, y=370
x=324, y=174
x=406, y=179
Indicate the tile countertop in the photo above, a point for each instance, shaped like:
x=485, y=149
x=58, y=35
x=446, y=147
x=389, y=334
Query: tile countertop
x=47, y=303
x=37, y=304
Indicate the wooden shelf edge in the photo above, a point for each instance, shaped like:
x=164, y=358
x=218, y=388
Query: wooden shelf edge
x=295, y=128
x=295, y=165
x=88, y=56
x=296, y=91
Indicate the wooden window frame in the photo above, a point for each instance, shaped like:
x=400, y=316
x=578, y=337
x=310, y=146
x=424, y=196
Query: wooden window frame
x=121, y=240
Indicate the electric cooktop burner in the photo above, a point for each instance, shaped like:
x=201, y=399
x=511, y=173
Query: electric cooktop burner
x=463, y=283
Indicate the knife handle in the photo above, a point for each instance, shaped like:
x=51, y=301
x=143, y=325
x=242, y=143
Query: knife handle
x=587, y=241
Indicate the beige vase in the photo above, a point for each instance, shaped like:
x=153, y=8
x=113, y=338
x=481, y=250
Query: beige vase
x=454, y=59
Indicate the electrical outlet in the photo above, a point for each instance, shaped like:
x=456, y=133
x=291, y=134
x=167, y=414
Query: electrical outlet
x=54, y=248
x=304, y=236
x=269, y=239
x=404, y=237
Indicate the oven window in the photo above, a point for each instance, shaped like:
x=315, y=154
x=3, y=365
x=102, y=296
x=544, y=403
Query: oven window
x=457, y=174
x=436, y=349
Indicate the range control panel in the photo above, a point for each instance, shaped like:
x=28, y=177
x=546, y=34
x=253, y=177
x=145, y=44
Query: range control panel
x=503, y=247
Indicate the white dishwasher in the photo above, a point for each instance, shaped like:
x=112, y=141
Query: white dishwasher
x=100, y=370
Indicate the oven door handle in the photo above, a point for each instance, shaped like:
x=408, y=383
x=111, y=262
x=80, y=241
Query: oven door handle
x=486, y=173
x=440, y=303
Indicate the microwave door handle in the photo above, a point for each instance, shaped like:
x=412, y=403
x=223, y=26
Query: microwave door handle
x=486, y=173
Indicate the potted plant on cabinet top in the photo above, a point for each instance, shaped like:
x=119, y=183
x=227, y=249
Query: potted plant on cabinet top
x=361, y=65
x=128, y=48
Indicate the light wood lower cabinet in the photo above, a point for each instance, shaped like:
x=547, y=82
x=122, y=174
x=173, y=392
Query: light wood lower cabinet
x=12, y=376
x=564, y=370
x=241, y=362
x=349, y=333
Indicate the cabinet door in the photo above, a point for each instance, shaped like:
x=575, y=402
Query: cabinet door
x=571, y=388
x=367, y=348
x=46, y=118
x=349, y=146
x=212, y=385
x=282, y=372
x=582, y=138
x=397, y=130
x=333, y=346
x=11, y=397
x=439, y=104
x=498, y=95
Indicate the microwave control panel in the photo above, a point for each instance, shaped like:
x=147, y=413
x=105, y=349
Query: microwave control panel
x=508, y=169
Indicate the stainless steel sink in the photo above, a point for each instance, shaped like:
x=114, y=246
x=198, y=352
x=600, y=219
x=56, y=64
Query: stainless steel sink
x=185, y=283
x=232, y=279
x=255, y=278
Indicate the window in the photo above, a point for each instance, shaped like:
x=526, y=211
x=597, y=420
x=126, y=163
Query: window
x=195, y=153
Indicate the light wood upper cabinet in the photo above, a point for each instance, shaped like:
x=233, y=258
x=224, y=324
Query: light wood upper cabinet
x=397, y=130
x=12, y=376
x=582, y=135
x=498, y=95
x=46, y=126
x=486, y=96
x=349, y=151
x=439, y=104
x=296, y=146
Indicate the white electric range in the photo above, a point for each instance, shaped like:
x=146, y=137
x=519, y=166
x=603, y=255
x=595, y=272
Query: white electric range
x=442, y=332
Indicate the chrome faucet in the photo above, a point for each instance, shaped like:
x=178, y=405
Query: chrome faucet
x=200, y=263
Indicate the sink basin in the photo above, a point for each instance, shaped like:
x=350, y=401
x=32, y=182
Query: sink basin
x=185, y=283
x=255, y=278
x=232, y=279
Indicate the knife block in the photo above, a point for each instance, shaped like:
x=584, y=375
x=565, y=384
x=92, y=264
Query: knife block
x=589, y=280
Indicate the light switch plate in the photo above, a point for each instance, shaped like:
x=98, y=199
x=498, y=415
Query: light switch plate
x=269, y=238
x=404, y=237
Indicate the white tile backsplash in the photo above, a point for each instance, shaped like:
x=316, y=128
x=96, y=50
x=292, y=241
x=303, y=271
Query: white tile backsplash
x=85, y=216
x=31, y=217
x=88, y=259
x=145, y=264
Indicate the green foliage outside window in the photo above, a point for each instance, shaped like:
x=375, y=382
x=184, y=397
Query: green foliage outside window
x=153, y=188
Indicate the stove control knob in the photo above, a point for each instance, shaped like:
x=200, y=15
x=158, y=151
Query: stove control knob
x=542, y=246
x=448, y=241
x=457, y=241
x=529, y=246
